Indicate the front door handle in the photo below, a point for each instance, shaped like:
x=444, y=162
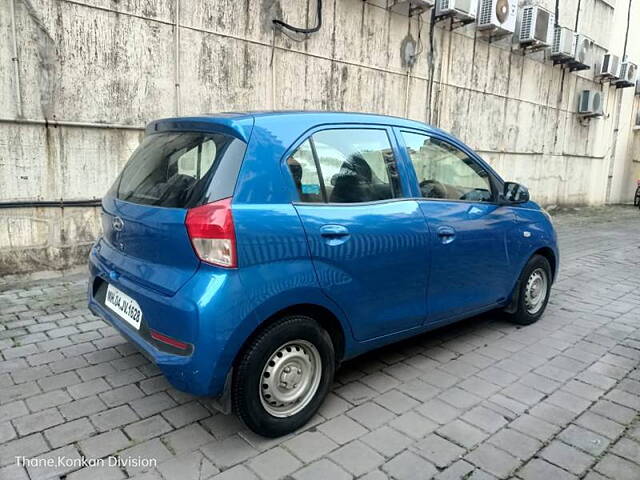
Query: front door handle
x=334, y=235
x=333, y=231
x=447, y=234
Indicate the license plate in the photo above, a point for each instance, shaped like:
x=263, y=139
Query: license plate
x=125, y=306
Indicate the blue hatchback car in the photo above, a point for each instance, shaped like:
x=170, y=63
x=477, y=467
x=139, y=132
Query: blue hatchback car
x=248, y=254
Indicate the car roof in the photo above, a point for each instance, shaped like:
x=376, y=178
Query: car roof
x=324, y=116
x=303, y=119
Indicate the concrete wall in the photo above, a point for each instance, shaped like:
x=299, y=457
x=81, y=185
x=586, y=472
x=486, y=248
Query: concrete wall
x=91, y=73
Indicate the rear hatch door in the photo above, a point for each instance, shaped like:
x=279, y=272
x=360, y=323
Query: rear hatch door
x=144, y=233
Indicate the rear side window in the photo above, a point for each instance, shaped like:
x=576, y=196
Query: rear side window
x=345, y=166
x=178, y=169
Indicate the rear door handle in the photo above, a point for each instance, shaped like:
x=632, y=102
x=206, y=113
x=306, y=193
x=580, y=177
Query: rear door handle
x=447, y=234
x=333, y=231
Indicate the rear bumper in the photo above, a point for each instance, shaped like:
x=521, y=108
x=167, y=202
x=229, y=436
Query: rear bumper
x=189, y=315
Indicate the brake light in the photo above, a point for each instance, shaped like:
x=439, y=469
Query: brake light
x=212, y=234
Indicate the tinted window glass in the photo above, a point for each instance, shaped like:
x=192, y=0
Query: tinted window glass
x=357, y=165
x=446, y=172
x=177, y=169
x=305, y=175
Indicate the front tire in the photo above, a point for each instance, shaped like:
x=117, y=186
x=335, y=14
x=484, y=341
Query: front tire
x=534, y=288
x=283, y=376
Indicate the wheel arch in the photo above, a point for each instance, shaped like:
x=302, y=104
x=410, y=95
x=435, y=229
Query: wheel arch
x=550, y=255
x=325, y=317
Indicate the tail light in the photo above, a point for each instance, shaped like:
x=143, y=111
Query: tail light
x=212, y=235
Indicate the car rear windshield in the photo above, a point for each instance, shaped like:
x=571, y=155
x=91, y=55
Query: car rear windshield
x=177, y=169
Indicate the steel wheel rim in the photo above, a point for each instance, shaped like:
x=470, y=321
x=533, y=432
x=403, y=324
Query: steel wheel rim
x=535, y=291
x=290, y=378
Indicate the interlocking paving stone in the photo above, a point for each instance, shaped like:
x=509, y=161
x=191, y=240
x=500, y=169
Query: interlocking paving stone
x=187, y=438
x=583, y=439
x=357, y=458
x=618, y=468
x=113, y=418
x=409, y=466
x=342, y=429
x=462, y=433
x=147, y=428
x=309, y=446
x=481, y=399
x=371, y=415
x=439, y=451
x=38, y=421
x=413, y=425
x=538, y=469
x=274, y=464
x=185, y=414
x=69, y=432
x=493, y=460
x=189, y=466
x=321, y=470
x=567, y=457
x=516, y=443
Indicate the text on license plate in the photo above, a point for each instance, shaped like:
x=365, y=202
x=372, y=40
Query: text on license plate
x=125, y=306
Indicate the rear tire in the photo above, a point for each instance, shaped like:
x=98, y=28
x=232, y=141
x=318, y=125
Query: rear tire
x=534, y=287
x=283, y=375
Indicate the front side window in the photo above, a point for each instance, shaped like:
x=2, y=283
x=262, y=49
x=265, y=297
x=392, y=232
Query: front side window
x=355, y=165
x=446, y=172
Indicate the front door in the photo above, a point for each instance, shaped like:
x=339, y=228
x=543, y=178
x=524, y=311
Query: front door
x=369, y=246
x=469, y=257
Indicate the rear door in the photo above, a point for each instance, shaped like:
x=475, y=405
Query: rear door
x=369, y=245
x=144, y=234
x=469, y=231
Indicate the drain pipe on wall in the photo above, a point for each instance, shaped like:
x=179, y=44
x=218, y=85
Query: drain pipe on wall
x=177, y=56
x=16, y=65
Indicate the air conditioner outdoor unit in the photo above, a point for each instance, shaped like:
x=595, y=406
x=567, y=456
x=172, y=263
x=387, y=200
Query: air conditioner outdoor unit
x=583, y=56
x=610, y=67
x=410, y=7
x=590, y=104
x=462, y=9
x=628, y=74
x=536, y=27
x=499, y=16
x=564, y=43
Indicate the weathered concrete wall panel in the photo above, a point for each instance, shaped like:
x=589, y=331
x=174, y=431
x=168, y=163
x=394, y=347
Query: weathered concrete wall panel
x=87, y=63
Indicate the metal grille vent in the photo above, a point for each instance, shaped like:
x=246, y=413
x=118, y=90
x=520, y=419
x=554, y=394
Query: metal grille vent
x=557, y=34
x=584, y=101
x=485, y=12
x=623, y=71
x=527, y=21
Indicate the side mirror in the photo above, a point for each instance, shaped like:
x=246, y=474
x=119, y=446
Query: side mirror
x=514, y=193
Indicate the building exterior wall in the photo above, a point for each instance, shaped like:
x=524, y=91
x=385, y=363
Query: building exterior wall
x=91, y=73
